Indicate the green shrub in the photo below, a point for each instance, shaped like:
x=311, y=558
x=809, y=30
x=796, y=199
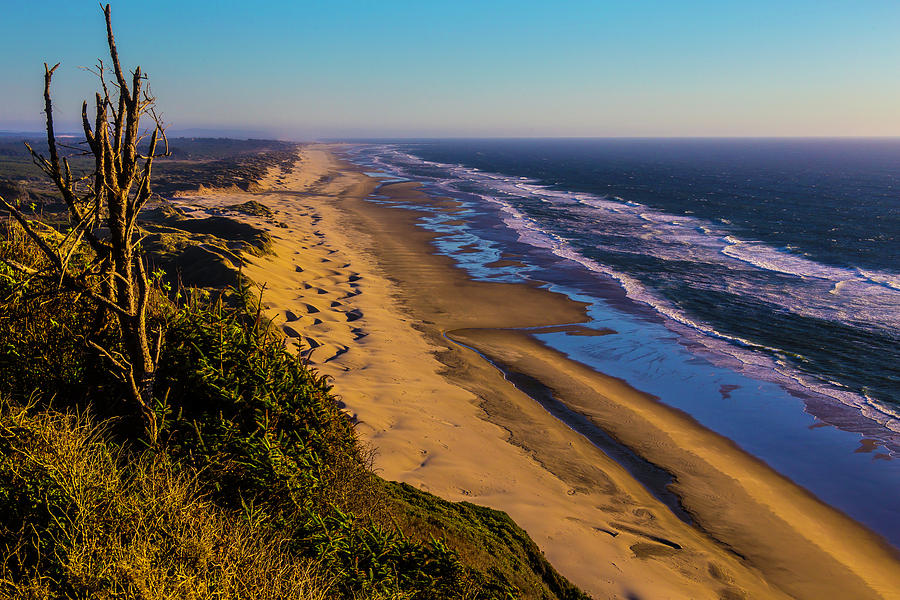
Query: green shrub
x=266, y=435
x=42, y=329
x=44, y=333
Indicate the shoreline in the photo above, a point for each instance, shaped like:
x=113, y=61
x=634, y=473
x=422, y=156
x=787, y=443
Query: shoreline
x=363, y=283
x=850, y=408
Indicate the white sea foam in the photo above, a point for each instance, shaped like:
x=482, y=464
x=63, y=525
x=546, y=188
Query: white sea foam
x=889, y=280
x=866, y=298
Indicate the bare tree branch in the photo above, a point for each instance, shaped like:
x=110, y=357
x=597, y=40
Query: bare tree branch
x=114, y=54
x=103, y=210
x=19, y=266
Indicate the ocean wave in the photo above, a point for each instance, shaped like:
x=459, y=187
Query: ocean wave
x=781, y=261
x=795, y=283
x=745, y=353
x=531, y=233
x=861, y=297
x=888, y=280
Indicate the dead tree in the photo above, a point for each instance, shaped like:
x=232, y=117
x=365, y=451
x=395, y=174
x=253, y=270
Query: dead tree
x=103, y=208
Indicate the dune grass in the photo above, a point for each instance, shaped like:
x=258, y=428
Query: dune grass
x=82, y=518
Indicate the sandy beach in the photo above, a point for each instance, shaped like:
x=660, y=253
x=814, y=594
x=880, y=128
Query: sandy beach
x=455, y=400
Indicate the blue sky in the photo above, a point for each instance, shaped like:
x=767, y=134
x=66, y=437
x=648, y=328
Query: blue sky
x=309, y=69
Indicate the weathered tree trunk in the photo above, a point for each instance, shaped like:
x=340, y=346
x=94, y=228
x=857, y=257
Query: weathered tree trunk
x=112, y=196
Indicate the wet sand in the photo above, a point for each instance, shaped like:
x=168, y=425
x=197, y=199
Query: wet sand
x=627, y=497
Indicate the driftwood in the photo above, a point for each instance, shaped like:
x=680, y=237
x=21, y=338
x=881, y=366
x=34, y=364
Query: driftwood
x=103, y=208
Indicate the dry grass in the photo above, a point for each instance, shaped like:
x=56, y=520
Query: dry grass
x=114, y=531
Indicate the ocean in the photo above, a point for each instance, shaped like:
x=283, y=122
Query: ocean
x=753, y=283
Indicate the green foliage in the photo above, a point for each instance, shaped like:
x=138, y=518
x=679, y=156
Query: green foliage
x=239, y=235
x=201, y=252
x=249, y=412
x=194, y=162
x=252, y=208
x=192, y=260
x=383, y=561
x=78, y=520
x=487, y=540
x=266, y=435
x=42, y=329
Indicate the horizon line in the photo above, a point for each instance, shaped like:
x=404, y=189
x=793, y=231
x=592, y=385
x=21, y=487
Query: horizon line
x=211, y=133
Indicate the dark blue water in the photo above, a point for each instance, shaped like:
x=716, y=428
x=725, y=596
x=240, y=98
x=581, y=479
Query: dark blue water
x=770, y=270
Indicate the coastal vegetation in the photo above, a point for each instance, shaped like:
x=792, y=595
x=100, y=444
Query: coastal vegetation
x=192, y=163
x=158, y=439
